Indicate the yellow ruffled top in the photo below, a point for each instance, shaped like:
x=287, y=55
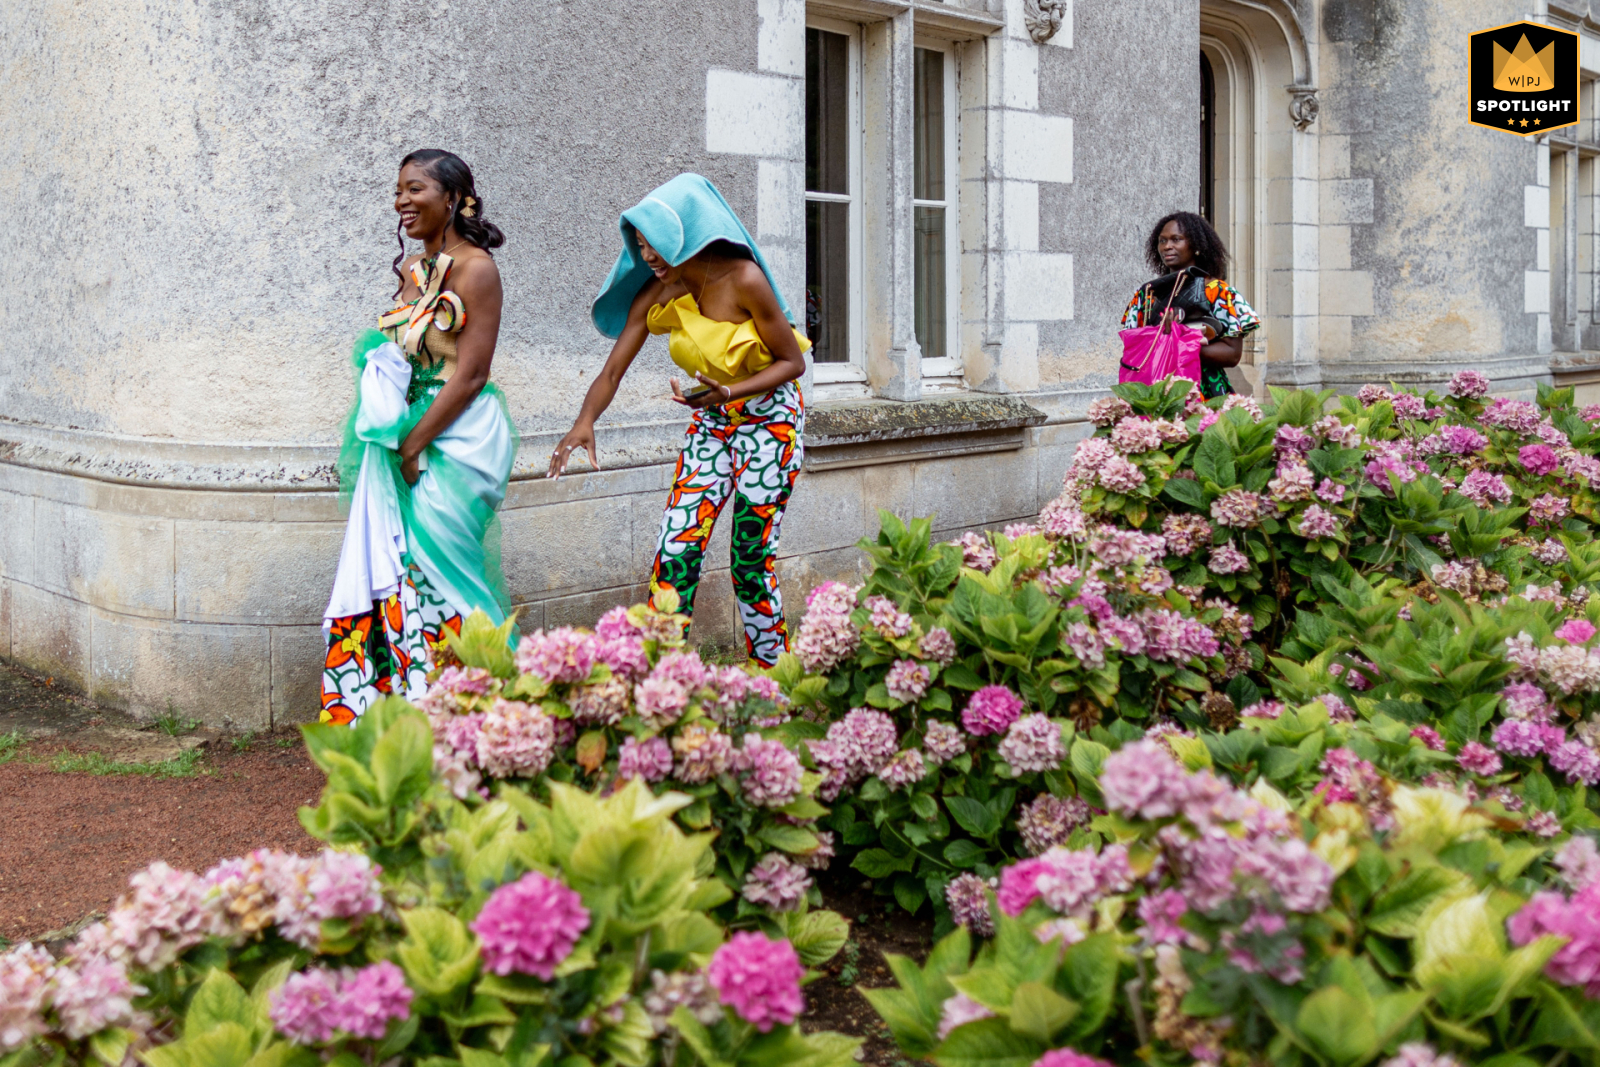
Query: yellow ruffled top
x=725, y=352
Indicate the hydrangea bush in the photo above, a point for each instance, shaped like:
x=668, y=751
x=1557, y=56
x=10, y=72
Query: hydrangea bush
x=504, y=932
x=630, y=700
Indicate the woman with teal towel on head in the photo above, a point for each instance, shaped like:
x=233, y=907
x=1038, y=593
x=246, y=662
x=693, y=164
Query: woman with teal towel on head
x=427, y=452
x=689, y=269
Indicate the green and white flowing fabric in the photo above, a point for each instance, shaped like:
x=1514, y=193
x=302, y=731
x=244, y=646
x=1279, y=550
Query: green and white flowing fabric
x=435, y=542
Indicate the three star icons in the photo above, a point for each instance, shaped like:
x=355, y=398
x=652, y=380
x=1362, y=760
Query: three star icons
x=1513, y=122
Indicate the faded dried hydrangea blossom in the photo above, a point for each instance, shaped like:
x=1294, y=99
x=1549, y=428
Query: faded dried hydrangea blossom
x=1185, y=534
x=1049, y=820
x=515, y=740
x=680, y=989
x=702, y=752
x=968, y=900
x=907, y=680
x=776, y=882
x=886, y=617
x=976, y=552
x=1108, y=410
x=1239, y=508
x=1227, y=559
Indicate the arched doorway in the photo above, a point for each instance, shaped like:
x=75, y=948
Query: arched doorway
x=1257, y=172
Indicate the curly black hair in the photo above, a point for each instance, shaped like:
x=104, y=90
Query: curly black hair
x=455, y=178
x=1210, y=254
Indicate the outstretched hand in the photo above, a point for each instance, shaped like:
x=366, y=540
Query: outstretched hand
x=578, y=437
x=714, y=394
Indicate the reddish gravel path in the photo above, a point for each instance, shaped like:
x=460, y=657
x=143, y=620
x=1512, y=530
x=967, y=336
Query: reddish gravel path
x=68, y=842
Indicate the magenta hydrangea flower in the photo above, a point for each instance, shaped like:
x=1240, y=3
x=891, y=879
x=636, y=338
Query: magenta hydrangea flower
x=650, y=759
x=1160, y=913
x=1576, y=631
x=1537, y=460
x=990, y=710
x=529, y=926
x=776, y=882
x=1068, y=1057
x=1478, y=758
x=768, y=772
x=1577, y=761
x=1429, y=737
x=1019, y=885
x=370, y=998
x=560, y=655
x=907, y=680
x=759, y=979
x=306, y=1008
x=1577, y=963
x=1521, y=737
x=1033, y=743
x=968, y=899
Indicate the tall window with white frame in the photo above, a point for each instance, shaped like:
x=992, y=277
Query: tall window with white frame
x=934, y=185
x=832, y=201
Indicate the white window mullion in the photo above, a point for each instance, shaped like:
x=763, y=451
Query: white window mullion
x=834, y=304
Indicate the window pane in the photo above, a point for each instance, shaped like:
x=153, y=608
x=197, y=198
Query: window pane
x=928, y=124
x=930, y=263
x=827, y=112
x=827, y=281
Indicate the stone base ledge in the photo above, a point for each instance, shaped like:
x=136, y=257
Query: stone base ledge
x=846, y=434
x=1510, y=374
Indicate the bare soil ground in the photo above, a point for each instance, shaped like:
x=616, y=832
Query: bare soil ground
x=88, y=797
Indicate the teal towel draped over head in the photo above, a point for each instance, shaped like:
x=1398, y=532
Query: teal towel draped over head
x=679, y=220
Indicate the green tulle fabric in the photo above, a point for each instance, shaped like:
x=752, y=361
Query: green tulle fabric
x=463, y=557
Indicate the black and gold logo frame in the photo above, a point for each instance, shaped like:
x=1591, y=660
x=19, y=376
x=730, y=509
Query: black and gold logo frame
x=1523, y=78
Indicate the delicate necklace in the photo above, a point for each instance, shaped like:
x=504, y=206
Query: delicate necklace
x=705, y=280
x=446, y=251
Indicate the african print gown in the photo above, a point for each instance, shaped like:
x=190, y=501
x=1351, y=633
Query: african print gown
x=416, y=559
x=1227, y=306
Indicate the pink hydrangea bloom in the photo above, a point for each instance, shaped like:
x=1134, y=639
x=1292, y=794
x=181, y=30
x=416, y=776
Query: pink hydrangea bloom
x=1263, y=709
x=938, y=646
x=25, y=975
x=1429, y=737
x=1577, y=761
x=907, y=680
x=1477, y=758
x=1068, y=1057
x=1576, y=631
x=1238, y=507
x=1483, y=488
x=529, y=926
x=1048, y=821
x=1108, y=410
x=1316, y=522
x=1033, y=743
x=768, y=772
x=1542, y=824
x=960, y=1010
x=1522, y=737
x=1019, y=885
x=1142, y=780
x=370, y=998
x=1537, y=460
x=1330, y=491
x=942, y=742
x=89, y=996
x=776, y=882
x=616, y=624
x=904, y=769
x=1227, y=559
x=863, y=741
x=650, y=759
x=306, y=1008
x=1579, y=862
x=990, y=710
x=1160, y=913
x=1577, y=963
x=759, y=979
x=827, y=637
x=702, y=751
x=1518, y=416
x=1469, y=384
x=515, y=740
x=660, y=701
x=968, y=899
x=1547, y=509
x=977, y=552
x=560, y=655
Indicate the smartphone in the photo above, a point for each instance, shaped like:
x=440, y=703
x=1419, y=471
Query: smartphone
x=696, y=394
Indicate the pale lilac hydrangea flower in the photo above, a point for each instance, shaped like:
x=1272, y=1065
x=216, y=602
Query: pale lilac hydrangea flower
x=1483, y=488
x=1519, y=416
x=1469, y=385
x=702, y=751
x=960, y=1010
x=776, y=882
x=1549, y=552
x=1237, y=507
x=864, y=740
x=1108, y=410
x=650, y=759
x=530, y=926
x=759, y=979
x=25, y=975
x=990, y=710
x=1138, y=781
x=1135, y=435
x=1330, y=491
x=1547, y=509
x=968, y=899
x=907, y=680
x=659, y=701
x=1542, y=824
x=516, y=740
x=942, y=742
x=1527, y=739
x=1579, y=862
x=1049, y=820
x=1033, y=743
x=904, y=769
x=938, y=646
x=1577, y=761
x=1120, y=476
x=827, y=637
x=1227, y=559
x=977, y=552
x=88, y=997
x=887, y=618
x=1316, y=523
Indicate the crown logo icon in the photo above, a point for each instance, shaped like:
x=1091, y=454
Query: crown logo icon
x=1523, y=70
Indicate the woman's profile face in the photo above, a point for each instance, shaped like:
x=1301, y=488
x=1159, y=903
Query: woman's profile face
x=657, y=262
x=1173, y=245
x=422, y=203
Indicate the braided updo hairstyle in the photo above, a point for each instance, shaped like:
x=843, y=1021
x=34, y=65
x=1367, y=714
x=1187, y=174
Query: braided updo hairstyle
x=455, y=178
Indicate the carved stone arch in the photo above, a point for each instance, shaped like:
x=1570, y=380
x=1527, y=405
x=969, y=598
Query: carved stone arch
x=1265, y=170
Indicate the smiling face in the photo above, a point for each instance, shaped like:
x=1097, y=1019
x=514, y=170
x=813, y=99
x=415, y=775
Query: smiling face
x=1176, y=251
x=424, y=206
x=657, y=262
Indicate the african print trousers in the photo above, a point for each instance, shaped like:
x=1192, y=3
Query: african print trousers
x=386, y=650
x=749, y=449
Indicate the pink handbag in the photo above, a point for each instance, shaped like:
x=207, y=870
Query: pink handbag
x=1148, y=355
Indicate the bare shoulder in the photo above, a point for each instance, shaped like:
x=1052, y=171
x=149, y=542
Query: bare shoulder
x=475, y=270
x=653, y=292
x=750, y=281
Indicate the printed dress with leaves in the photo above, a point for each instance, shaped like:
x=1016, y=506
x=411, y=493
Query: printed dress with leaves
x=416, y=559
x=1227, y=307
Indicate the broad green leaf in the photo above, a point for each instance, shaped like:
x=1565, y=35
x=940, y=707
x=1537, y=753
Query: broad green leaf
x=880, y=863
x=973, y=816
x=219, y=1000
x=988, y=1043
x=1039, y=1012
x=1337, y=1027
x=439, y=954
x=817, y=935
x=1396, y=910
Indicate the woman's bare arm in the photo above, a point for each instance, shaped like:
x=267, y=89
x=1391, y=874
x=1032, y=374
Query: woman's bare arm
x=477, y=282
x=604, y=387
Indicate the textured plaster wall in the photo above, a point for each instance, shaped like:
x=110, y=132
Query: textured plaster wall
x=1131, y=83
x=203, y=193
x=1423, y=237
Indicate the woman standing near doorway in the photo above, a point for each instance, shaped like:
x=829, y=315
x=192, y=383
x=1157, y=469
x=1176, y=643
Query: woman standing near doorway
x=689, y=269
x=427, y=453
x=1181, y=241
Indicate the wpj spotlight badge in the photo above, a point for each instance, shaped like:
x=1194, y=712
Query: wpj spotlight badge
x=1524, y=78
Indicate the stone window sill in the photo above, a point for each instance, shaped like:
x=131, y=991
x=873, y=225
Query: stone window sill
x=864, y=433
